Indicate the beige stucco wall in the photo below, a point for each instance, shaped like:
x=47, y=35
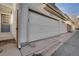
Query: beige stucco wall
x=13, y=21
x=4, y=9
x=23, y=23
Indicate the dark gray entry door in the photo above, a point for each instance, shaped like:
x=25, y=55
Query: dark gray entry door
x=69, y=28
x=5, y=23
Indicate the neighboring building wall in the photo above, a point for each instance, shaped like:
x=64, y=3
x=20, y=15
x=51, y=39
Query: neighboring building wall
x=77, y=23
x=74, y=19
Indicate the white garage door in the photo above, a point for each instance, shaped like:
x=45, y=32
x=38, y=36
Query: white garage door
x=62, y=27
x=41, y=27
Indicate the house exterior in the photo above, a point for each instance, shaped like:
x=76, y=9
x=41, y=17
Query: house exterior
x=36, y=21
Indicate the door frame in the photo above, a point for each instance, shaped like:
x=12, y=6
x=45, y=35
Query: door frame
x=1, y=22
x=17, y=32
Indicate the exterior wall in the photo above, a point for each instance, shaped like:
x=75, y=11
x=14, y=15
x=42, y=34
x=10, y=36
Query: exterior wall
x=40, y=8
x=4, y=9
x=73, y=27
x=39, y=26
x=0, y=22
x=13, y=22
x=23, y=22
x=70, y=26
x=74, y=19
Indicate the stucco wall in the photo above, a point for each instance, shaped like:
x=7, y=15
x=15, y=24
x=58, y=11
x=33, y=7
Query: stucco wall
x=13, y=21
x=22, y=22
x=4, y=9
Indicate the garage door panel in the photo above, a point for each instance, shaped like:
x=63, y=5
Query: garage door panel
x=42, y=27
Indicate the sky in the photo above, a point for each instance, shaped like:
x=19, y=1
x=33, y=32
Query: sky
x=69, y=8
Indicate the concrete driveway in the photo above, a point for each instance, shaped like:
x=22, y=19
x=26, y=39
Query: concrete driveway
x=69, y=48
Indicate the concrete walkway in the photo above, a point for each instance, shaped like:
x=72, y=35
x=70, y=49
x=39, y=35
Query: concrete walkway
x=69, y=48
x=8, y=45
x=6, y=36
x=9, y=48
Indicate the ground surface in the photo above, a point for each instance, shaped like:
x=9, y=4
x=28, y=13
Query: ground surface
x=45, y=47
x=69, y=48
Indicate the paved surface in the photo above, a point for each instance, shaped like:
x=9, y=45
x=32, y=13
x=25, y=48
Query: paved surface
x=6, y=36
x=9, y=48
x=69, y=48
x=47, y=46
x=8, y=45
